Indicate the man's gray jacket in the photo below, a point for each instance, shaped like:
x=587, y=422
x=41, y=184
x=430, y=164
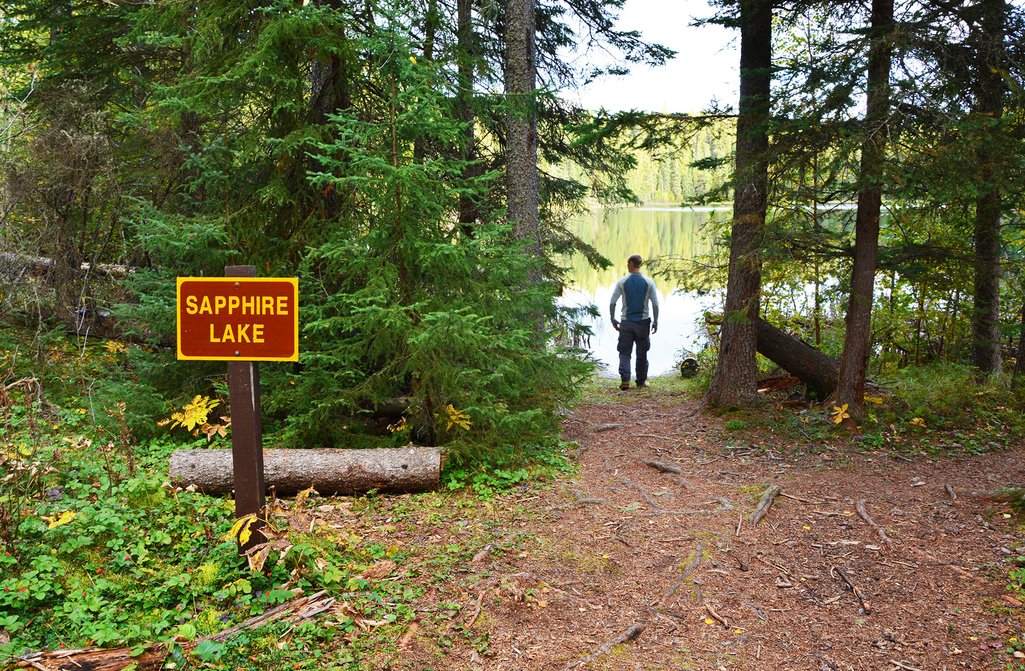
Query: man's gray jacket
x=637, y=291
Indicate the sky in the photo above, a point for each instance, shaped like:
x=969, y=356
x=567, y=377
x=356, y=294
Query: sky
x=705, y=67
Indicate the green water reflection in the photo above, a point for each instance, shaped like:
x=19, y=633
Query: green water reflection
x=648, y=231
x=653, y=233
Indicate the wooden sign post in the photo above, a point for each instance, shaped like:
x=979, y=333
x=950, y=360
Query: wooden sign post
x=241, y=319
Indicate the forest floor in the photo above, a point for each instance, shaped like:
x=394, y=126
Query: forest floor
x=624, y=566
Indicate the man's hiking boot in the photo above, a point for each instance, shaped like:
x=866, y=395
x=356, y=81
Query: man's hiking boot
x=641, y=385
x=624, y=385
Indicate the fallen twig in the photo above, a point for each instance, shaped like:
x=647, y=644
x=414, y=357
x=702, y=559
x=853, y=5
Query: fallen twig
x=663, y=468
x=152, y=657
x=716, y=616
x=581, y=502
x=778, y=567
x=632, y=632
x=658, y=513
x=904, y=665
x=606, y=427
x=795, y=498
x=860, y=506
x=854, y=588
x=644, y=493
x=757, y=610
x=763, y=506
x=300, y=608
x=482, y=554
x=476, y=612
x=691, y=565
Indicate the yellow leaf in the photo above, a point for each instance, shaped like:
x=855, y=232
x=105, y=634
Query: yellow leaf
x=114, y=346
x=246, y=533
x=840, y=413
x=709, y=620
x=917, y=421
x=456, y=418
x=194, y=414
x=241, y=530
x=874, y=399
x=62, y=519
x=300, y=498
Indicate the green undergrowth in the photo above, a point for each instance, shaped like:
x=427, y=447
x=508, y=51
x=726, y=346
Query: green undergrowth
x=108, y=558
x=505, y=469
x=936, y=409
x=98, y=548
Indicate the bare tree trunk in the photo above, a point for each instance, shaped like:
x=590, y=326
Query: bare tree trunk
x=854, y=360
x=734, y=381
x=432, y=19
x=329, y=81
x=465, y=57
x=521, y=121
x=1019, y=364
x=990, y=107
x=329, y=94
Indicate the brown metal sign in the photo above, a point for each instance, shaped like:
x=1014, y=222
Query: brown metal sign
x=238, y=318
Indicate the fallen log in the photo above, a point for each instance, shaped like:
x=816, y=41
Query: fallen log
x=809, y=365
x=330, y=471
x=13, y=265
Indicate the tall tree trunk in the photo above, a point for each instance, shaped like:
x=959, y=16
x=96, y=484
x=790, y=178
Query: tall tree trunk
x=521, y=121
x=734, y=381
x=1019, y=364
x=329, y=82
x=329, y=94
x=990, y=107
x=431, y=21
x=466, y=54
x=854, y=360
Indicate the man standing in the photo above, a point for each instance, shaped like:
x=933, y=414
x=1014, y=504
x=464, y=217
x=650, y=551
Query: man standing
x=635, y=323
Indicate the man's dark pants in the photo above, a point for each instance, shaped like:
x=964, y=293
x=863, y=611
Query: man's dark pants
x=630, y=333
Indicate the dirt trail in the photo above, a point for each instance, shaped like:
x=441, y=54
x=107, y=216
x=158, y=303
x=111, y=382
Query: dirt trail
x=626, y=546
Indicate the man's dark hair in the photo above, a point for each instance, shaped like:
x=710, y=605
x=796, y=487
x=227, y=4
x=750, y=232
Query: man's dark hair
x=635, y=259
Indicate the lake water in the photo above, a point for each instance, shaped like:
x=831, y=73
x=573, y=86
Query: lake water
x=652, y=232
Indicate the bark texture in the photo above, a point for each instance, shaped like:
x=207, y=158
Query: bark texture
x=331, y=471
x=854, y=360
x=466, y=57
x=735, y=378
x=1019, y=364
x=816, y=370
x=521, y=121
x=96, y=659
x=990, y=107
x=16, y=266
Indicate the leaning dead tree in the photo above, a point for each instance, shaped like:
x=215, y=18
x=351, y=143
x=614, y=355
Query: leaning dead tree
x=809, y=365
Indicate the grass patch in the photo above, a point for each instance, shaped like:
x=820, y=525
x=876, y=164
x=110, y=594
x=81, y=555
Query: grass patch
x=598, y=390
